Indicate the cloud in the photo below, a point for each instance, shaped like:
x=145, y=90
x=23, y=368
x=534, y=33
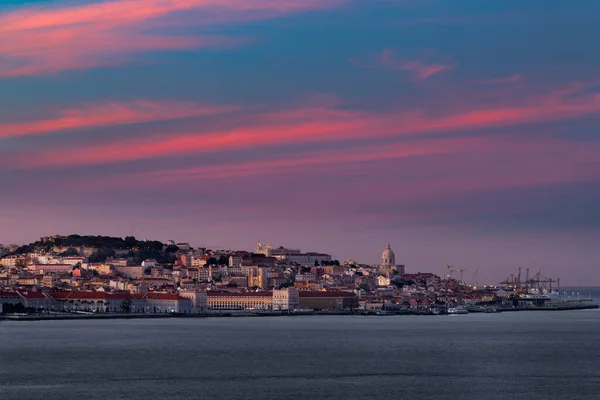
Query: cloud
x=316, y=160
x=504, y=79
x=111, y=114
x=389, y=60
x=318, y=126
x=46, y=40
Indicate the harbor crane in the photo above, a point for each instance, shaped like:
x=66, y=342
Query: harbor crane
x=449, y=271
x=538, y=283
x=461, y=273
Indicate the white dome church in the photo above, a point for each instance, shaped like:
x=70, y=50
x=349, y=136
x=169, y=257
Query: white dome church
x=388, y=260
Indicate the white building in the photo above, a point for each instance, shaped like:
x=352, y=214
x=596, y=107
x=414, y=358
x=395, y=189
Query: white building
x=286, y=299
x=167, y=303
x=149, y=263
x=383, y=280
x=133, y=272
x=291, y=256
x=10, y=261
x=50, y=268
x=198, y=298
x=72, y=260
x=388, y=260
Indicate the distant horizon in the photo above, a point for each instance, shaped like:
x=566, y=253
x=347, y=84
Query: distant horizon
x=462, y=133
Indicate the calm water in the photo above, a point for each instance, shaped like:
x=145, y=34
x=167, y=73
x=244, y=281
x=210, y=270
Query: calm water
x=549, y=355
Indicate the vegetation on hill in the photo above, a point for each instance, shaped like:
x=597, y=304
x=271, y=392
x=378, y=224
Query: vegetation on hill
x=106, y=247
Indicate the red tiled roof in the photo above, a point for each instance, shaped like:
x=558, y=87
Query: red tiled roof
x=213, y=293
x=78, y=295
x=33, y=295
x=326, y=294
x=163, y=296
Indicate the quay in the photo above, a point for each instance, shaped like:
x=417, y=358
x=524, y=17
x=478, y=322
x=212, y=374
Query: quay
x=121, y=316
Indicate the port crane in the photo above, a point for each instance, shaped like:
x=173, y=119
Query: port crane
x=449, y=270
x=538, y=283
x=460, y=270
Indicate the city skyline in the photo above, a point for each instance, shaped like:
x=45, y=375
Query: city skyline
x=461, y=133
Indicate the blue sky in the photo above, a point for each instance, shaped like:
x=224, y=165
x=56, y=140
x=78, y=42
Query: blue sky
x=462, y=132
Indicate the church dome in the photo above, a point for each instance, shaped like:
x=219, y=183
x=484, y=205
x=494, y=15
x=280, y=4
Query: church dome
x=388, y=258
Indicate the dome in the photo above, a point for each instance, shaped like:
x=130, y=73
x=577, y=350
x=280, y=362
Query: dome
x=388, y=258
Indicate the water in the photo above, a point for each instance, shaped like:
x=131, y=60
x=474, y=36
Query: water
x=528, y=355
x=581, y=293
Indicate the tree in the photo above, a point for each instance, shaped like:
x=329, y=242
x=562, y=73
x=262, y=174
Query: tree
x=364, y=287
x=317, y=263
x=101, y=255
x=172, y=249
x=223, y=260
x=232, y=284
x=212, y=261
x=130, y=241
x=70, y=252
x=400, y=283
x=126, y=306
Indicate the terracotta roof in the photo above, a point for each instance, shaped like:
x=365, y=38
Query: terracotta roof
x=326, y=294
x=78, y=295
x=32, y=295
x=213, y=293
x=163, y=296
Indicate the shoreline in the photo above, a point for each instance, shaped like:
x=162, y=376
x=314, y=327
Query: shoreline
x=109, y=316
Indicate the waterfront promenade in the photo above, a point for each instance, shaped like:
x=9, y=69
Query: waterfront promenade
x=241, y=313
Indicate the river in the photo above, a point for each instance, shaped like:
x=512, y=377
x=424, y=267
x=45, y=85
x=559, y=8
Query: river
x=523, y=355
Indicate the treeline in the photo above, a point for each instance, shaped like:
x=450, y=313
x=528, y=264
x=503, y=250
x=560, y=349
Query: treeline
x=97, y=242
x=107, y=242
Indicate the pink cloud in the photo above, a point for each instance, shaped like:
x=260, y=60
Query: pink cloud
x=111, y=114
x=319, y=125
x=390, y=61
x=317, y=160
x=43, y=40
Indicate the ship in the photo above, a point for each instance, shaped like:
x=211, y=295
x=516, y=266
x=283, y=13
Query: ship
x=457, y=310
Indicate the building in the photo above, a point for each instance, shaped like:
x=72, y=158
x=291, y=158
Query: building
x=10, y=298
x=12, y=261
x=286, y=299
x=120, y=302
x=167, y=303
x=383, y=281
x=132, y=272
x=72, y=261
x=198, y=298
x=257, y=277
x=149, y=263
x=35, y=300
x=388, y=260
x=51, y=268
x=331, y=301
x=291, y=256
x=240, y=301
x=265, y=250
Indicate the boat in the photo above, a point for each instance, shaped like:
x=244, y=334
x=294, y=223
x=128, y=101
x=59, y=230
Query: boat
x=457, y=310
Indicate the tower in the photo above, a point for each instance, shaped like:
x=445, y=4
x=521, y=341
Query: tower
x=388, y=258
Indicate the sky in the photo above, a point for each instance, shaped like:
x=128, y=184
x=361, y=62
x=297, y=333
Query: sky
x=462, y=132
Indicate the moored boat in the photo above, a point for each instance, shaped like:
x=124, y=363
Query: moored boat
x=457, y=310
